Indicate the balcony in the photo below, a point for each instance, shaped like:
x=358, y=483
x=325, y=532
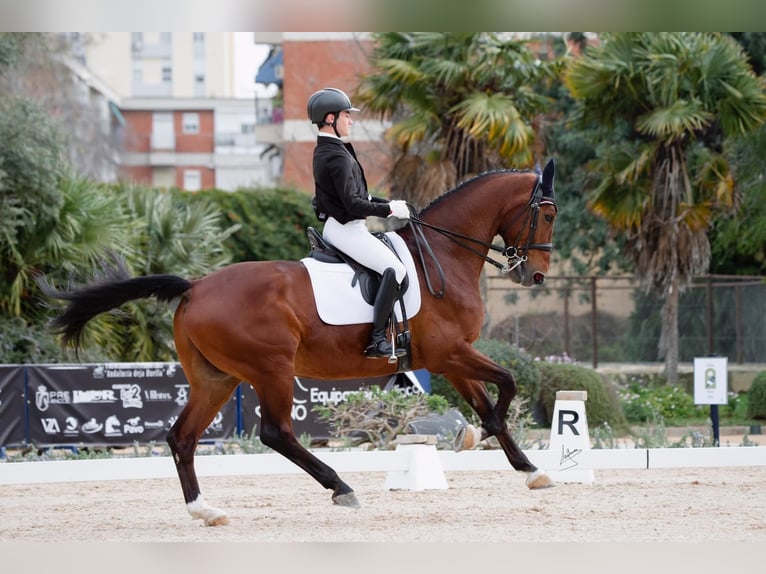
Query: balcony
x=142, y=50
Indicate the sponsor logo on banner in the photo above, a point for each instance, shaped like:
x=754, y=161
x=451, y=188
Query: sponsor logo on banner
x=112, y=426
x=94, y=396
x=50, y=425
x=182, y=394
x=134, y=426
x=92, y=426
x=155, y=395
x=71, y=426
x=130, y=395
x=133, y=371
x=216, y=425
x=44, y=398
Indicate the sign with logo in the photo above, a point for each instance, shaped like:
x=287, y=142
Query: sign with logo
x=119, y=404
x=309, y=393
x=11, y=405
x=710, y=380
x=111, y=404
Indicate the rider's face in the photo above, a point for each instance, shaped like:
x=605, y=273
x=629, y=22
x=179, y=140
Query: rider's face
x=345, y=121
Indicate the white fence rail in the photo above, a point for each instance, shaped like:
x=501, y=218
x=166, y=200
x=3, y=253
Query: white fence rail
x=406, y=459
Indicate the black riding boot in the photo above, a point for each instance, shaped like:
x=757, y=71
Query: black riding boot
x=378, y=346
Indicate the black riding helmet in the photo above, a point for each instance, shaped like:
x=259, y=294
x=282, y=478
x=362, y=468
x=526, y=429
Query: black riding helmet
x=327, y=101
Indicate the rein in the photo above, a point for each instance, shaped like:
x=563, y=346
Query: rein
x=515, y=254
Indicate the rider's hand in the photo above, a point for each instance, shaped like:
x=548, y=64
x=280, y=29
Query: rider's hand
x=399, y=209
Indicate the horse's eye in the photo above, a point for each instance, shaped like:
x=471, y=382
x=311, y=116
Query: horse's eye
x=549, y=218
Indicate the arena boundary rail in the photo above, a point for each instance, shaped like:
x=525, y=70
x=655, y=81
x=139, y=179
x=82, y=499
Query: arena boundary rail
x=406, y=460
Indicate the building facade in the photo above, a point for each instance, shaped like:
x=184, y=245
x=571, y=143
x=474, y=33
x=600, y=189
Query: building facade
x=184, y=125
x=311, y=61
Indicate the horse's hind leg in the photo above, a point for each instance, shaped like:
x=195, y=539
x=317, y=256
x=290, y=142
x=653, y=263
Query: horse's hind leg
x=275, y=395
x=209, y=390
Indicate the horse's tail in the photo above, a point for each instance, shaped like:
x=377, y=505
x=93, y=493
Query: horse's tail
x=86, y=302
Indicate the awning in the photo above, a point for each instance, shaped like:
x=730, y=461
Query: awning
x=117, y=114
x=271, y=71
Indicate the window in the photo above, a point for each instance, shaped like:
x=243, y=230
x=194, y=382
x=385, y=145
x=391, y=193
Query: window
x=167, y=74
x=137, y=41
x=162, y=131
x=199, y=85
x=191, y=123
x=198, y=45
x=192, y=180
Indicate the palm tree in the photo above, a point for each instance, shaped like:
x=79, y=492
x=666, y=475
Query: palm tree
x=669, y=102
x=170, y=234
x=459, y=103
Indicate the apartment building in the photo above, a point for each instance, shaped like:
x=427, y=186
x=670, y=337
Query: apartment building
x=310, y=61
x=184, y=124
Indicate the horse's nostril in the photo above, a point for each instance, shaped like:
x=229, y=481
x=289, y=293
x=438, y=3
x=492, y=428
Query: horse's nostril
x=539, y=278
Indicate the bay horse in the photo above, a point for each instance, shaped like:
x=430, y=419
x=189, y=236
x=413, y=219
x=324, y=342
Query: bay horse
x=257, y=322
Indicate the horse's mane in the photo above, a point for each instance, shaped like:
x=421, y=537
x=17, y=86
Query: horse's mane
x=470, y=180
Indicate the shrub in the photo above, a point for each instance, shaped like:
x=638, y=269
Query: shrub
x=273, y=222
x=644, y=403
x=518, y=361
x=756, y=397
x=377, y=416
x=603, y=404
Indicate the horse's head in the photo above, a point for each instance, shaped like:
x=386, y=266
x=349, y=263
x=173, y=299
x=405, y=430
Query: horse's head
x=528, y=232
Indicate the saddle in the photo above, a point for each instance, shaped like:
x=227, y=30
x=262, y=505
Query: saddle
x=368, y=279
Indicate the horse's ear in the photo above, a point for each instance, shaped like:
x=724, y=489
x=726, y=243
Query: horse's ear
x=548, y=176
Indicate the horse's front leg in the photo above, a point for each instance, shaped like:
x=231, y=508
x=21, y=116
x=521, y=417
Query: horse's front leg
x=476, y=394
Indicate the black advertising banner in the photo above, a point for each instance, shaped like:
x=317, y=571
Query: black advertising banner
x=112, y=404
x=11, y=405
x=307, y=394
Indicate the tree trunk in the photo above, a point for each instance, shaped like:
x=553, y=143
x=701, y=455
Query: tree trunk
x=669, y=339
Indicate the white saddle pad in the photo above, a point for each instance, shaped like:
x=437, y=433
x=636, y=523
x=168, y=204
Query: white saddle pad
x=339, y=303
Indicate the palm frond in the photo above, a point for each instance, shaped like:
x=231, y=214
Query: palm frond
x=679, y=120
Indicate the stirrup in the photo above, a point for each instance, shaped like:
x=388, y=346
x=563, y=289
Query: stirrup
x=374, y=351
x=379, y=349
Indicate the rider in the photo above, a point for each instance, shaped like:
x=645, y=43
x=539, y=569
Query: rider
x=343, y=203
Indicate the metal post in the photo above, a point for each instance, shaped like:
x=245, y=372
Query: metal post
x=594, y=320
x=738, y=322
x=716, y=428
x=709, y=290
x=567, y=343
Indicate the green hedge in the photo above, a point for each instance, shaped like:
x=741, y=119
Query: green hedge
x=273, y=221
x=756, y=397
x=603, y=404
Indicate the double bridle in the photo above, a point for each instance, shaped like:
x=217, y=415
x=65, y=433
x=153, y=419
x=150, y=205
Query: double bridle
x=515, y=253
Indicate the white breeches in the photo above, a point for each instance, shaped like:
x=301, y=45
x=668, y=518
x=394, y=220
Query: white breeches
x=354, y=239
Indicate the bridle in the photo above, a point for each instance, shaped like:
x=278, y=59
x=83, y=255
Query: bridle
x=515, y=254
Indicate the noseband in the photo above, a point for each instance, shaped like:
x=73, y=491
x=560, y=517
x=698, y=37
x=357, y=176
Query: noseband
x=515, y=254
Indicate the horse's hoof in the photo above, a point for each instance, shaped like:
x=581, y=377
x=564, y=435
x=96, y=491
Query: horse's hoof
x=199, y=509
x=221, y=520
x=539, y=479
x=467, y=437
x=348, y=499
